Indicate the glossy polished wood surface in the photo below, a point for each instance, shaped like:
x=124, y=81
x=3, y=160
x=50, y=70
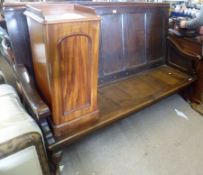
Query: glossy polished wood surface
x=65, y=51
x=37, y=35
x=65, y=58
x=122, y=98
x=26, y=87
x=52, y=13
x=76, y=70
x=19, y=35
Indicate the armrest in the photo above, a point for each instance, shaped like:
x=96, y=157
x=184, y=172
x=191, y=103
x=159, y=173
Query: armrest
x=183, y=51
x=30, y=94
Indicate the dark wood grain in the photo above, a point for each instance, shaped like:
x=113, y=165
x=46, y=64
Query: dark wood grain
x=197, y=94
x=132, y=54
x=28, y=91
x=122, y=98
x=186, y=54
x=132, y=37
x=181, y=56
x=111, y=53
x=135, y=43
x=157, y=31
x=19, y=36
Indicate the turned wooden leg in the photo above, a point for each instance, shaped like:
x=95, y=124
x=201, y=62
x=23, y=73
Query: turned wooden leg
x=56, y=157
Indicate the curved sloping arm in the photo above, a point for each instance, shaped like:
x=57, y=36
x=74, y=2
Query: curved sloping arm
x=184, y=52
x=28, y=90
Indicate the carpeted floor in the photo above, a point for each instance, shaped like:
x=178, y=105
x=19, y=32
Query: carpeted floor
x=164, y=139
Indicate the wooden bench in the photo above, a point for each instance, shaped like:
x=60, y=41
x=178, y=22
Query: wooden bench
x=129, y=52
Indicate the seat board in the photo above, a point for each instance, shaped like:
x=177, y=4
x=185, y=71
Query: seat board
x=119, y=99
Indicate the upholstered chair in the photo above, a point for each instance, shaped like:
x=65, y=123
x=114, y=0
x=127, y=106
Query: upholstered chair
x=22, y=149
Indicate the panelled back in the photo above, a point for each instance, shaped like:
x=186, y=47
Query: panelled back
x=111, y=44
x=132, y=38
x=156, y=35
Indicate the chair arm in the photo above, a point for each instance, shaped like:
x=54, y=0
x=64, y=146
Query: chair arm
x=27, y=89
x=192, y=55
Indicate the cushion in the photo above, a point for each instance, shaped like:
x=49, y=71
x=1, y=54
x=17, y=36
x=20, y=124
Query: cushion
x=14, y=120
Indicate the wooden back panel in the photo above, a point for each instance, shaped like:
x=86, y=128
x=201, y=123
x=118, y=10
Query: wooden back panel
x=132, y=38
